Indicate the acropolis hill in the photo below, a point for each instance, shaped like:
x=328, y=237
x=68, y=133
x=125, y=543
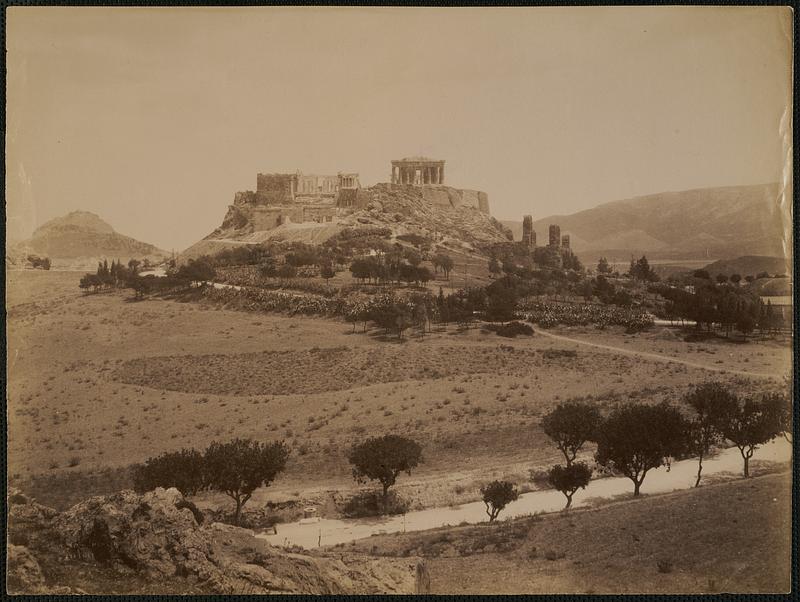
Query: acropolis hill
x=312, y=207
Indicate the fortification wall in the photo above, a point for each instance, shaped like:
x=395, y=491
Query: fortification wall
x=446, y=196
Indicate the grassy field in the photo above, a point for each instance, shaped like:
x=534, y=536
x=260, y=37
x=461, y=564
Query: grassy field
x=726, y=537
x=97, y=382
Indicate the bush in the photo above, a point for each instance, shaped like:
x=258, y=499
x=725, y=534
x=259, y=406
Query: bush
x=510, y=330
x=182, y=469
x=371, y=503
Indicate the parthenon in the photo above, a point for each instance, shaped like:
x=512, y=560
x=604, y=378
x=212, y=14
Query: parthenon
x=417, y=171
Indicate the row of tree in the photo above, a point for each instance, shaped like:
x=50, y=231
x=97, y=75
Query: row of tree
x=636, y=438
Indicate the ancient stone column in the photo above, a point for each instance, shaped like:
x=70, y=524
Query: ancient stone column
x=527, y=232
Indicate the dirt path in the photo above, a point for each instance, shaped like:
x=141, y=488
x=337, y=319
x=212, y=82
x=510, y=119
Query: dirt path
x=656, y=356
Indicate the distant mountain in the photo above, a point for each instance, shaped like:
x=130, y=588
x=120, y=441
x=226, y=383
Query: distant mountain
x=709, y=222
x=80, y=239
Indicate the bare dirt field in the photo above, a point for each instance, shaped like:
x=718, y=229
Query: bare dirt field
x=98, y=382
x=719, y=538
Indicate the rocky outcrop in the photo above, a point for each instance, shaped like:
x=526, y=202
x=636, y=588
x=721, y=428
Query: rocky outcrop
x=451, y=216
x=157, y=536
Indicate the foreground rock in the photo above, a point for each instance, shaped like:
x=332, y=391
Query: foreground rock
x=154, y=537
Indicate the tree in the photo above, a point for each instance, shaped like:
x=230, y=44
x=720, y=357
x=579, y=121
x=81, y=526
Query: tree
x=568, y=479
x=133, y=266
x=638, y=437
x=586, y=290
x=383, y=458
x=413, y=257
x=753, y=423
x=713, y=405
x=326, y=271
x=701, y=274
x=570, y=425
x=497, y=495
x=603, y=266
x=736, y=278
x=495, y=269
x=722, y=278
x=182, y=469
x=241, y=466
x=501, y=300
x=268, y=267
x=781, y=405
x=197, y=270
x=641, y=270
x=445, y=262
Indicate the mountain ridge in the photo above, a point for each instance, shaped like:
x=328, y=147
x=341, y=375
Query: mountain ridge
x=718, y=222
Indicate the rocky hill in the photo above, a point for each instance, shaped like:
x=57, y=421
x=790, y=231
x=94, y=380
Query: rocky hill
x=450, y=216
x=692, y=224
x=80, y=239
x=156, y=543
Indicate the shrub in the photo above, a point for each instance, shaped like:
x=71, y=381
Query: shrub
x=510, y=330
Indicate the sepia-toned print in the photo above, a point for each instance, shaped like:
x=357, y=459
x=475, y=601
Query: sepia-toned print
x=352, y=300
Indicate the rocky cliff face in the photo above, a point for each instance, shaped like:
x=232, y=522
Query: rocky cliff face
x=80, y=239
x=119, y=542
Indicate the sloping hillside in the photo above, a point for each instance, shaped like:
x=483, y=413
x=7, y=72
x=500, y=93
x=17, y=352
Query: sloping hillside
x=709, y=222
x=749, y=265
x=80, y=239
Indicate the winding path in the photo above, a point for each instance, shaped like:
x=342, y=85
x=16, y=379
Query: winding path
x=656, y=356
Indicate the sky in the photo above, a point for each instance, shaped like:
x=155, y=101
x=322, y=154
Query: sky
x=153, y=118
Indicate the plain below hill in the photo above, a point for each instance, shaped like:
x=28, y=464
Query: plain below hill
x=730, y=221
x=79, y=240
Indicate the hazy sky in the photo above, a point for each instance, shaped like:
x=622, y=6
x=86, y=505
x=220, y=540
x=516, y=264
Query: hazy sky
x=154, y=117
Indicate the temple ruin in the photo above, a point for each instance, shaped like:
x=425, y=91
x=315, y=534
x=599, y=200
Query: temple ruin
x=417, y=171
x=281, y=198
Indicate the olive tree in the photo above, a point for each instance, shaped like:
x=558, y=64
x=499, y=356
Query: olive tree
x=568, y=479
x=383, y=458
x=754, y=423
x=241, y=466
x=497, y=495
x=713, y=405
x=637, y=437
x=570, y=425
